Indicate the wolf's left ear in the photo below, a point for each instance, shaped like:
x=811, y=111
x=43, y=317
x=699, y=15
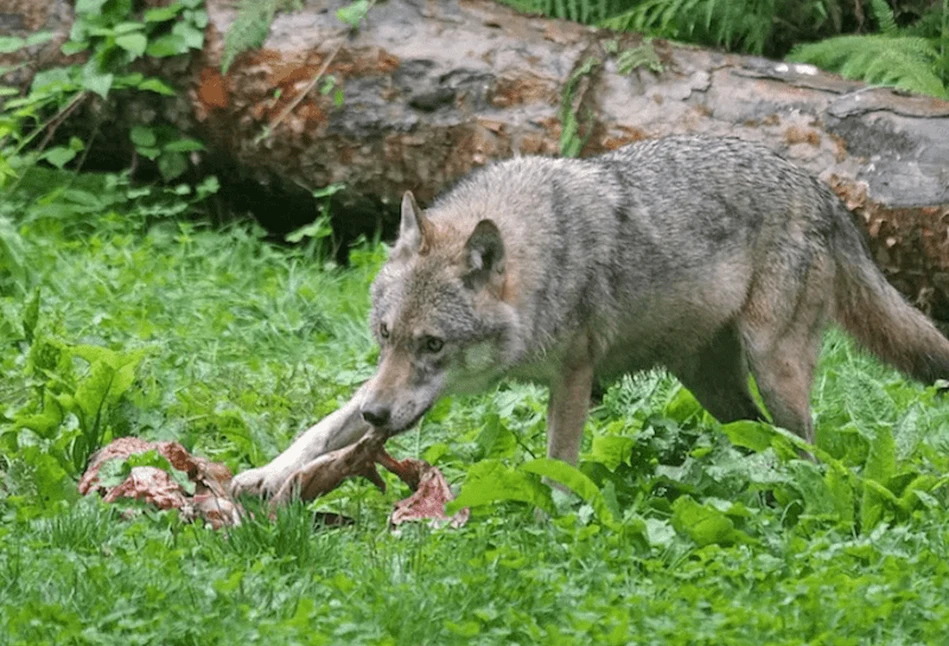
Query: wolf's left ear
x=413, y=226
x=484, y=255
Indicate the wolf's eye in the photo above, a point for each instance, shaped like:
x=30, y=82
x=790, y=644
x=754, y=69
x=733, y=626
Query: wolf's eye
x=433, y=344
x=384, y=330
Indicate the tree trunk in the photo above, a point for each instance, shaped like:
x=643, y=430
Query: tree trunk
x=433, y=89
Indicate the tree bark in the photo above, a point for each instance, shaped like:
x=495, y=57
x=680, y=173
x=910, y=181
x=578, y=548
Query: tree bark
x=432, y=90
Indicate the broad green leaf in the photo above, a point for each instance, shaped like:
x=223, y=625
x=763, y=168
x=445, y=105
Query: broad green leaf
x=659, y=533
x=192, y=37
x=163, y=14
x=148, y=152
x=198, y=17
x=95, y=80
x=124, y=378
x=881, y=462
x=47, y=80
x=93, y=353
x=89, y=6
x=758, y=436
x=353, y=13
x=576, y=480
x=184, y=146
x=157, y=86
x=58, y=156
x=133, y=43
x=129, y=80
x=810, y=482
x=9, y=44
x=751, y=435
x=167, y=45
x=318, y=229
x=51, y=480
x=880, y=467
x=840, y=484
x=705, y=525
x=93, y=390
x=72, y=47
x=209, y=186
x=39, y=38
x=328, y=190
x=495, y=439
x=172, y=165
x=143, y=136
x=13, y=254
x=611, y=450
x=45, y=422
x=683, y=406
x=491, y=481
x=921, y=484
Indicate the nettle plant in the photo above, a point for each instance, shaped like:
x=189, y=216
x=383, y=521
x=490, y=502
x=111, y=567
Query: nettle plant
x=108, y=37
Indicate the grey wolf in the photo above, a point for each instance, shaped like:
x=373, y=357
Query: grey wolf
x=711, y=257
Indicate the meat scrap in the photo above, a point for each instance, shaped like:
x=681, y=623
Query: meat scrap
x=212, y=501
x=156, y=487
x=326, y=472
x=428, y=502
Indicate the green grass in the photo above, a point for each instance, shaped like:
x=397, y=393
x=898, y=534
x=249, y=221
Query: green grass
x=688, y=538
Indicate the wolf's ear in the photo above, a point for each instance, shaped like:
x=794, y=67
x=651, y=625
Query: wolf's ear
x=484, y=255
x=413, y=227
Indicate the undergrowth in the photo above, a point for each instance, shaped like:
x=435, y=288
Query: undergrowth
x=682, y=531
x=901, y=43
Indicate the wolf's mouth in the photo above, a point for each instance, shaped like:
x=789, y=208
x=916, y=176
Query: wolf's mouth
x=392, y=431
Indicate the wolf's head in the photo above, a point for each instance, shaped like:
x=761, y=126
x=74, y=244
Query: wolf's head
x=438, y=314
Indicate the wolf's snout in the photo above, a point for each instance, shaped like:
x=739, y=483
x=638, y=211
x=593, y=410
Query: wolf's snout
x=376, y=414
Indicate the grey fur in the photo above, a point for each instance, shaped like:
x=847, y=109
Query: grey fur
x=711, y=257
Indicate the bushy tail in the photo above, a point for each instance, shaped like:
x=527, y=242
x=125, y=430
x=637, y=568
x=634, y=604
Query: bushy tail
x=877, y=315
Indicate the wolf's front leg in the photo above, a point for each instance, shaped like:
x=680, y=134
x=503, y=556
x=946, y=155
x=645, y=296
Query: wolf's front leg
x=342, y=428
x=567, y=411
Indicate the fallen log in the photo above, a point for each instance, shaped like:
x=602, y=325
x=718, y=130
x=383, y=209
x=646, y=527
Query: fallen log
x=432, y=90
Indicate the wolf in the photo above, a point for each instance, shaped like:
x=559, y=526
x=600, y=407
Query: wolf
x=711, y=257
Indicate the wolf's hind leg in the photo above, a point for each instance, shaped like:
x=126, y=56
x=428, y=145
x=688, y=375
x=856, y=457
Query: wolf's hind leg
x=718, y=377
x=781, y=328
x=341, y=428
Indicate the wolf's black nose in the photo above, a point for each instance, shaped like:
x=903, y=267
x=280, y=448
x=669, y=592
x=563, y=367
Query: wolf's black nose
x=376, y=414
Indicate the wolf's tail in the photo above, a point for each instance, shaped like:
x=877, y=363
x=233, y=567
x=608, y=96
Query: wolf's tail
x=876, y=314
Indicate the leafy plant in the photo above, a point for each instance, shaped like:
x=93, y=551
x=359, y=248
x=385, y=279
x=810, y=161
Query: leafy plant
x=73, y=410
x=113, y=36
x=321, y=229
x=894, y=57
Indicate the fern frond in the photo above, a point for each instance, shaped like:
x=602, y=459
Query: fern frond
x=585, y=11
x=884, y=17
x=249, y=29
x=907, y=62
x=744, y=24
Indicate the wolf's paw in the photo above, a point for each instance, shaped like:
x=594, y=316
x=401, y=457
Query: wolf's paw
x=264, y=481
